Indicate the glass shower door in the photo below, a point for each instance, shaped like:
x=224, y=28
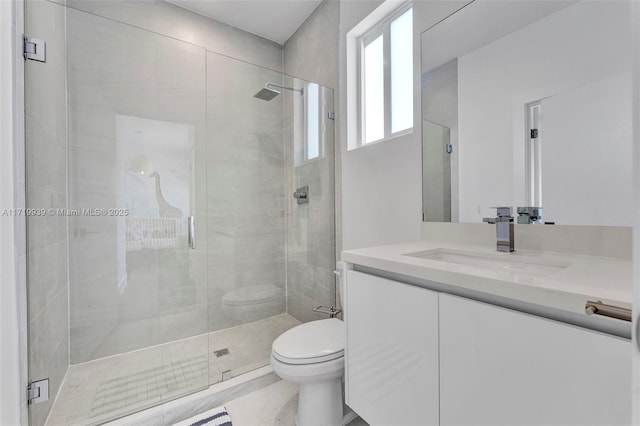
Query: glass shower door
x=246, y=221
x=135, y=185
x=436, y=176
x=136, y=139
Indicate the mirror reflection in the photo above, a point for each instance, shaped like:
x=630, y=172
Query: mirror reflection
x=528, y=104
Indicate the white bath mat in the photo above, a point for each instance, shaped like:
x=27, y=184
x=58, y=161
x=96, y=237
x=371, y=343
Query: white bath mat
x=215, y=417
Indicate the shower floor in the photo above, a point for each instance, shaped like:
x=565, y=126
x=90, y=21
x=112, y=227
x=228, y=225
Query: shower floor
x=108, y=388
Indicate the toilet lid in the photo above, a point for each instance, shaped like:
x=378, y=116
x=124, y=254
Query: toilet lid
x=315, y=341
x=251, y=295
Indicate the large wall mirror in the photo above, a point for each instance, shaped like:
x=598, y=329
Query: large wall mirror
x=528, y=103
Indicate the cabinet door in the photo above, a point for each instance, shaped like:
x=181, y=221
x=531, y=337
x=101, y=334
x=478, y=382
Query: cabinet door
x=392, y=351
x=500, y=367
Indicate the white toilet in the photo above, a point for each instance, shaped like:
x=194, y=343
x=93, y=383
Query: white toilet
x=312, y=355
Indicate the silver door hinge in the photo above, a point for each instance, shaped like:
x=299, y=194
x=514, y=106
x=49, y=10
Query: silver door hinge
x=34, y=49
x=331, y=115
x=38, y=391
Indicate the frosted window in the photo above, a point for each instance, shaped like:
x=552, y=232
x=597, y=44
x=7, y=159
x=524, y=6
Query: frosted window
x=313, y=125
x=373, y=97
x=386, y=78
x=401, y=37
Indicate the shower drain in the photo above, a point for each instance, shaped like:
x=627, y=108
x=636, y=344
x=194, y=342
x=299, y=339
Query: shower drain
x=221, y=352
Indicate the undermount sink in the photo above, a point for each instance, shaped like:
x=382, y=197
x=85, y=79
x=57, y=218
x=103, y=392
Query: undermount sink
x=508, y=261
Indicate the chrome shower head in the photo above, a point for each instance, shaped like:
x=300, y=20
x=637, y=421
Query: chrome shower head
x=266, y=94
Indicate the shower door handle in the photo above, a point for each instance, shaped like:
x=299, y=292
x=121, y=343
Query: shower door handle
x=191, y=232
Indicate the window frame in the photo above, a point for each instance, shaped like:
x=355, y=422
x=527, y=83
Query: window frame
x=381, y=28
x=320, y=121
x=301, y=123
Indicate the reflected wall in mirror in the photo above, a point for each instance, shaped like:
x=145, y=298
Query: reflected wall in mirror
x=528, y=103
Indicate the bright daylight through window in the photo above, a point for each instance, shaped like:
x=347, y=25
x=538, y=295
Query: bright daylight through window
x=386, y=79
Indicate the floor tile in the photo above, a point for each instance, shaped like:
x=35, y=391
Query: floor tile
x=104, y=389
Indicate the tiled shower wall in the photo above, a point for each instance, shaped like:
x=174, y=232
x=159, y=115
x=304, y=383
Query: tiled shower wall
x=123, y=99
x=245, y=191
x=164, y=18
x=238, y=192
x=312, y=54
x=46, y=152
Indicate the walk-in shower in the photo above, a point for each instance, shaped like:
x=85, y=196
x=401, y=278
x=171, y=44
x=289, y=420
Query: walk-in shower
x=138, y=150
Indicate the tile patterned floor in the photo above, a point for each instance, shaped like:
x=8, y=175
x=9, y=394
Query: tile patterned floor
x=274, y=405
x=100, y=390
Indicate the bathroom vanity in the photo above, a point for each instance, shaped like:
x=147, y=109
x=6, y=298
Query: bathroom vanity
x=446, y=331
x=458, y=334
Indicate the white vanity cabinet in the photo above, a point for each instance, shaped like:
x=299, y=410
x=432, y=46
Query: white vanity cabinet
x=502, y=367
x=416, y=356
x=392, y=351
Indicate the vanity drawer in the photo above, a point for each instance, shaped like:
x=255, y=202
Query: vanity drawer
x=503, y=367
x=392, y=351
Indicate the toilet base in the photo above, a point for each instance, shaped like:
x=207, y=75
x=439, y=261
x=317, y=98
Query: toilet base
x=320, y=403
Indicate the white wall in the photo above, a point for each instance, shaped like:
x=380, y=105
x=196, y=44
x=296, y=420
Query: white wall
x=538, y=61
x=591, y=127
x=382, y=182
x=13, y=374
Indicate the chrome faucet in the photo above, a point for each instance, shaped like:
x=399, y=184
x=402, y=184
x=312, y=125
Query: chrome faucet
x=504, y=228
x=529, y=215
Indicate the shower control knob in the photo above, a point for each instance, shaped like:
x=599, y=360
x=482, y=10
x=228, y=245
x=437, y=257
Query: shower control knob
x=302, y=195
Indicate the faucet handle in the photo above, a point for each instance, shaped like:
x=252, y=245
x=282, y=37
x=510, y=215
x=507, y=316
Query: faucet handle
x=504, y=228
x=503, y=211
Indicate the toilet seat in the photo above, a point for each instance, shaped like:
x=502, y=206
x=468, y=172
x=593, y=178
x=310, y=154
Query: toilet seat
x=312, y=342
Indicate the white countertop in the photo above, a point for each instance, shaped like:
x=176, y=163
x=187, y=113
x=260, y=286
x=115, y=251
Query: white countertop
x=580, y=278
